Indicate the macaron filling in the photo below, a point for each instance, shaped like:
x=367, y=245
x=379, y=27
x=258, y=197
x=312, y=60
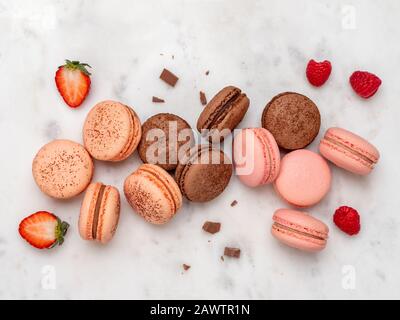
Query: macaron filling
x=97, y=211
x=371, y=161
x=279, y=226
x=225, y=105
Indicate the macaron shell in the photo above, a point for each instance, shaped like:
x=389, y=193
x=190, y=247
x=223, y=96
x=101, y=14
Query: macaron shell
x=111, y=131
x=256, y=156
x=312, y=233
x=62, y=169
x=200, y=180
x=304, y=178
x=134, y=136
x=349, y=151
x=85, y=222
x=108, y=215
x=153, y=194
x=293, y=119
x=301, y=221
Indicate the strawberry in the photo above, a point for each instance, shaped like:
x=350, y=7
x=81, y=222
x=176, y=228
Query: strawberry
x=364, y=83
x=318, y=72
x=73, y=82
x=43, y=230
x=347, y=219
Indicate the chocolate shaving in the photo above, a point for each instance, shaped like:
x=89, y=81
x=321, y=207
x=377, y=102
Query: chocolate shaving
x=232, y=252
x=207, y=72
x=168, y=77
x=234, y=203
x=186, y=267
x=203, y=98
x=211, y=227
x=222, y=258
x=157, y=100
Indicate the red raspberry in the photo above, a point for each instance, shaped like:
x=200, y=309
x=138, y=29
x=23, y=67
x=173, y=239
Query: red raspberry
x=347, y=219
x=318, y=72
x=365, y=84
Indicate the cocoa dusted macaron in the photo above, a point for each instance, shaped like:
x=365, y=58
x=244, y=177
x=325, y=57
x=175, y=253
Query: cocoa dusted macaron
x=225, y=111
x=204, y=173
x=163, y=135
x=293, y=119
x=111, y=131
x=62, y=169
x=99, y=214
x=153, y=193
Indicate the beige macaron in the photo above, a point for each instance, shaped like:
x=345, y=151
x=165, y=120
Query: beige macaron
x=153, y=193
x=99, y=215
x=111, y=131
x=62, y=169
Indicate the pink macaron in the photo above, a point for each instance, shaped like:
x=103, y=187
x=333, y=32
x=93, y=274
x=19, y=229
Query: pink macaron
x=304, y=178
x=299, y=230
x=256, y=156
x=349, y=151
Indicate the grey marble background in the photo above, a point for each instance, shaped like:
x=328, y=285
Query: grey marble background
x=260, y=46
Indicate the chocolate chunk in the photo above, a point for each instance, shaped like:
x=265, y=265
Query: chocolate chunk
x=203, y=98
x=211, y=227
x=157, y=100
x=207, y=72
x=232, y=252
x=186, y=266
x=234, y=203
x=168, y=77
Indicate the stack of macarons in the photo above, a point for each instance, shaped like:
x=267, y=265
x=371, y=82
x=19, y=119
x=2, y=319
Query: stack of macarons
x=175, y=167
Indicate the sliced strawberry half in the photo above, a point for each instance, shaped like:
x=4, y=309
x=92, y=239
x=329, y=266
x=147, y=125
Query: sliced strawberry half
x=43, y=230
x=73, y=82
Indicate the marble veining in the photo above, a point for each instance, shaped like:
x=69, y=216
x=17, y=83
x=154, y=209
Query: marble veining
x=261, y=47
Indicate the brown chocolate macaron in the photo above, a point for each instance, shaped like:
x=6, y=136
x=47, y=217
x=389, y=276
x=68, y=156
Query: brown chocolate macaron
x=225, y=111
x=293, y=119
x=162, y=137
x=204, y=173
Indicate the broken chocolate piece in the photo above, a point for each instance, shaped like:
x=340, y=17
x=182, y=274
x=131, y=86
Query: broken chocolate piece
x=234, y=203
x=203, y=98
x=157, y=100
x=168, y=77
x=186, y=266
x=232, y=252
x=211, y=227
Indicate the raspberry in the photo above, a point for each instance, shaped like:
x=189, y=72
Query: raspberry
x=365, y=84
x=318, y=72
x=347, y=219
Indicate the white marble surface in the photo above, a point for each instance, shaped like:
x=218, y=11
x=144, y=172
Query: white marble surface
x=260, y=46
